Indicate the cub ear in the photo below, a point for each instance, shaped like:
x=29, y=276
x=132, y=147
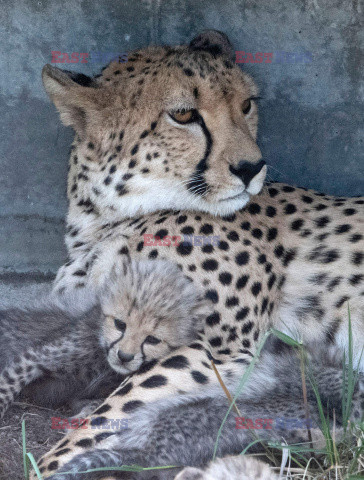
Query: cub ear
x=72, y=93
x=213, y=41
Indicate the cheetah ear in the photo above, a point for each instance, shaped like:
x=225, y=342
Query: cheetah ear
x=73, y=94
x=213, y=41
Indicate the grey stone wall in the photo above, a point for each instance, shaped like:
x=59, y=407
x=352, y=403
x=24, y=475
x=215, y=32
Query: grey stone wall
x=311, y=127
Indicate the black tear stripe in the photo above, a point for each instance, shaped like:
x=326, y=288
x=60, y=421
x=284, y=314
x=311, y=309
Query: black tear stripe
x=197, y=183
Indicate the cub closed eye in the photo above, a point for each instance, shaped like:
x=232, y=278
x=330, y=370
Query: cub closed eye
x=119, y=324
x=184, y=115
x=152, y=340
x=246, y=107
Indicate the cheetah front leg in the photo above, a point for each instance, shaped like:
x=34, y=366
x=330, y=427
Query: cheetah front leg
x=186, y=370
x=77, y=282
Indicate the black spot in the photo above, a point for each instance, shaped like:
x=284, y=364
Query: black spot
x=341, y=302
x=178, y=362
x=153, y=254
x=147, y=366
x=107, y=180
x=242, y=258
x=242, y=313
x=342, y=229
x=289, y=256
x=245, y=226
x=84, y=443
x=213, y=319
x=233, y=236
x=154, y=381
x=322, y=221
x=130, y=69
x=199, y=377
x=225, y=278
x=355, y=279
x=121, y=189
x=223, y=245
x=307, y=199
x=131, y=406
x=297, y=224
x=181, y=219
x=98, y=421
x=124, y=390
x=242, y=281
x=161, y=233
x=134, y=150
x=355, y=238
x=254, y=208
x=232, y=302
x=79, y=273
x=289, y=209
x=90, y=145
x=102, y=436
x=271, y=281
x=256, y=288
x=270, y=211
x=102, y=409
x=210, y=264
x=257, y=233
x=207, y=249
x=349, y=211
x=187, y=230
x=206, y=229
x=247, y=328
x=212, y=295
x=262, y=259
x=132, y=164
x=273, y=192
x=279, y=251
x=53, y=465
x=62, y=452
x=320, y=207
x=144, y=134
x=140, y=246
x=184, y=248
x=272, y=234
x=287, y=188
x=357, y=258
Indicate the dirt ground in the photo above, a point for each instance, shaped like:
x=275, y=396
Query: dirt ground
x=40, y=437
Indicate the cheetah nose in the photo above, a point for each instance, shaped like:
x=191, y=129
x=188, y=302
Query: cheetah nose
x=246, y=170
x=125, y=357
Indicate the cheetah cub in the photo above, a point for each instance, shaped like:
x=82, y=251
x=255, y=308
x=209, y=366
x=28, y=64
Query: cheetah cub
x=145, y=310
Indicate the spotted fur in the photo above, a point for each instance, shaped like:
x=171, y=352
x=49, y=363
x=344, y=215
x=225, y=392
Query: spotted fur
x=146, y=310
x=285, y=257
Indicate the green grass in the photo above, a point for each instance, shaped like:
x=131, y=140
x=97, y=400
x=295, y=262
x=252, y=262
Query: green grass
x=339, y=459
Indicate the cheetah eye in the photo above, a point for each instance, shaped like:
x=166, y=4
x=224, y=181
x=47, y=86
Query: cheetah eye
x=246, y=107
x=184, y=115
x=120, y=325
x=152, y=340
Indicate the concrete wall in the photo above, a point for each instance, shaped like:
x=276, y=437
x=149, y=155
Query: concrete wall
x=311, y=128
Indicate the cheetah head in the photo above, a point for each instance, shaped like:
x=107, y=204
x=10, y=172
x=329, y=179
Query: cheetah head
x=172, y=128
x=149, y=308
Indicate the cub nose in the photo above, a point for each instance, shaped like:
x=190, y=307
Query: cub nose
x=246, y=170
x=125, y=357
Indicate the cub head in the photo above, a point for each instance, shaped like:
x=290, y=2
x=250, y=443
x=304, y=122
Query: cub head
x=149, y=308
x=171, y=128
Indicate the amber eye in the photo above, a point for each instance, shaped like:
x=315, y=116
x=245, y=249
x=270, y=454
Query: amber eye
x=246, y=107
x=184, y=115
x=119, y=324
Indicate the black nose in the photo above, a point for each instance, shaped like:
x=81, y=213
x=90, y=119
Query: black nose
x=125, y=357
x=246, y=170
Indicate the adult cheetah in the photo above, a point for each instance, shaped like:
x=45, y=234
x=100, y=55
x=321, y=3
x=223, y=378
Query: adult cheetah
x=166, y=146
